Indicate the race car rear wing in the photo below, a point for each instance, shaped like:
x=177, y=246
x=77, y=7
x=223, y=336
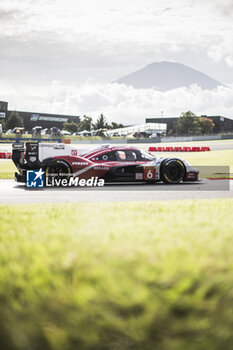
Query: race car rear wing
x=32, y=155
x=23, y=154
x=18, y=154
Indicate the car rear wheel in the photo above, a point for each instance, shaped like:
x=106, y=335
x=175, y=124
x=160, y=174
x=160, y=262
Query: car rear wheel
x=172, y=171
x=57, y=170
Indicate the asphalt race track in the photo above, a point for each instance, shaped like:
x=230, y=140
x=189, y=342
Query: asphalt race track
x=14, y=193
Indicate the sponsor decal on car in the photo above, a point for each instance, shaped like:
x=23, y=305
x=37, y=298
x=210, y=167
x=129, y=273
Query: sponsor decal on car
x=139, y=176
x=74, y=152
x=57, y=146
x=101, y=168
x=80, y=163
x=149, y=173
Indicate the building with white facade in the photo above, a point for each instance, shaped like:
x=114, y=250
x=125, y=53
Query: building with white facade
x=148, y=128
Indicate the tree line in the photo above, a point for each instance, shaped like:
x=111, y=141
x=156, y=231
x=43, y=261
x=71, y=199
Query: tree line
x=187, y=124
x=87, y=124
x=12, y=122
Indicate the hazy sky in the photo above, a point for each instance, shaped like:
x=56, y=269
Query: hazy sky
x=61, y=56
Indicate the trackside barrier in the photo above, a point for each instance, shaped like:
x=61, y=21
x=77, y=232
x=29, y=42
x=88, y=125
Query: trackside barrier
x=169, y=149
x=66, y=141
x=186, y=149
x=204, y=149
x=24, y=139
x=5, y=155
x=178, y=149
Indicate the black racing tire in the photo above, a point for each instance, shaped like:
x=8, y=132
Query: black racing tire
x=57, y=169
x=172, y=171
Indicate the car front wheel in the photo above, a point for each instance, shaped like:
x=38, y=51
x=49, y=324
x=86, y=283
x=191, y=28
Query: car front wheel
x=172, y=171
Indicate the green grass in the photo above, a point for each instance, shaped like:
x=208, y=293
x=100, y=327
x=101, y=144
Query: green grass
x=222, y=157
x=113, y=276
x=206, y=161
x=7, y=169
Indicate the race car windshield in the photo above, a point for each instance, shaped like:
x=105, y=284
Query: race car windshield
x=127, y=155
x=146, y=156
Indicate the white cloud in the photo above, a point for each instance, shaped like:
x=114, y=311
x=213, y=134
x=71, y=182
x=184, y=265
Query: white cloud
x=122, y=103
x=229, y=60
x=73, y=40
x=112, y=35
x=225, y=7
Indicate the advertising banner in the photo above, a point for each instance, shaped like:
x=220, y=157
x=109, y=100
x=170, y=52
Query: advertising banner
x=17, y=140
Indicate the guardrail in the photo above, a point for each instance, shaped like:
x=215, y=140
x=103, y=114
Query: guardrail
x=5, y=155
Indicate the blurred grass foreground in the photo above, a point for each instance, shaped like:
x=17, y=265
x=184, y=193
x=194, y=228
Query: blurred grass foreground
x=143, y=276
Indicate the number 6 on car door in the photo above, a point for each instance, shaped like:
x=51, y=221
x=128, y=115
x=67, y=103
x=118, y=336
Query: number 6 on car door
x=149, y=173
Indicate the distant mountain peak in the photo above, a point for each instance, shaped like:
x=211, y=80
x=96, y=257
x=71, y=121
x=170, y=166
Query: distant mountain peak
x=167, y=76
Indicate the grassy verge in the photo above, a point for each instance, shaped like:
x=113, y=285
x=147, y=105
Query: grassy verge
x=7, y=169
x=206, y=160
x=223, y=157
x=117, y=276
